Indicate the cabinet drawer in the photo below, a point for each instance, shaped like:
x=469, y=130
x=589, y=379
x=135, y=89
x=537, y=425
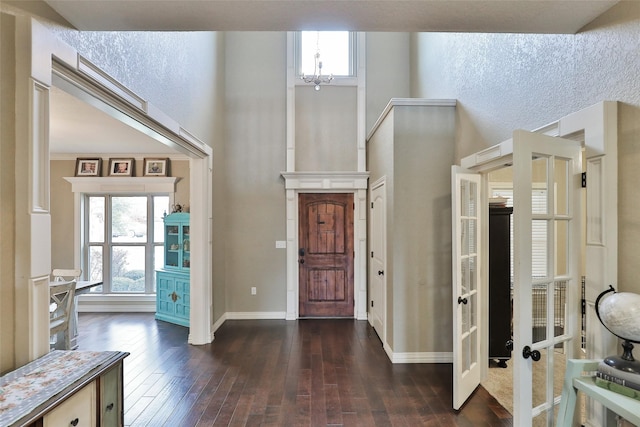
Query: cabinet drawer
x=78, y=410
x=110, y=398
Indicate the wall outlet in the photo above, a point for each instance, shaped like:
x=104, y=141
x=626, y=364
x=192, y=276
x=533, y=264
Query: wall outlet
x=254, y=291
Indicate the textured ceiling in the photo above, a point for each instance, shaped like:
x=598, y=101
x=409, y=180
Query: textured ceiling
x=93, y=131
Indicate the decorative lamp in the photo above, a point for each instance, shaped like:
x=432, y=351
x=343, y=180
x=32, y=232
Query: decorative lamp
x=620, y=314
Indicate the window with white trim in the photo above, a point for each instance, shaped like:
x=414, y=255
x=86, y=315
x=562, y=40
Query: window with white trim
x=337, y=52
x=123, y=241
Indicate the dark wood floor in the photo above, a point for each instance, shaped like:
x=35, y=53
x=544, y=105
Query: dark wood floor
x=276, y=373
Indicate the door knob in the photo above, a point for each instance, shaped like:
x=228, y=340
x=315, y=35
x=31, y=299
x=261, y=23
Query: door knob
x=380, y=273
x=462, y=300
x=526, y=352
x=301, y=261
x=509, y=345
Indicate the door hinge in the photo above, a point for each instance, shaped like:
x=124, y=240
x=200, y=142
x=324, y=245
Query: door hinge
x=584, y=180
x=371, y=303
x=371, y=254
x=371, y=205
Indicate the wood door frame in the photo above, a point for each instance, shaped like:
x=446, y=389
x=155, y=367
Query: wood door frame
x=328, y=182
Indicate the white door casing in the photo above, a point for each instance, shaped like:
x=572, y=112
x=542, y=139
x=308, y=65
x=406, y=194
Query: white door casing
x=378, y=258
x=466, y=274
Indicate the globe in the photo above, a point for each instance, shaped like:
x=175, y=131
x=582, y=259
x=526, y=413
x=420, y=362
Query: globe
x=620, y=314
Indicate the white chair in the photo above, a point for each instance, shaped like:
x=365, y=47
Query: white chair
x=62, y=274
x=65, y=275
x=61, y=310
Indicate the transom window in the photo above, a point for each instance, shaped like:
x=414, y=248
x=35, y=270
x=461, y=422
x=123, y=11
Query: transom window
x=123, y=241
x=336, y=48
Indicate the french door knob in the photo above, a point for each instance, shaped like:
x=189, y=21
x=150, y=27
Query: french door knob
x=526, y=353
x=462, y=300
x=509, y=345
x=380, y=273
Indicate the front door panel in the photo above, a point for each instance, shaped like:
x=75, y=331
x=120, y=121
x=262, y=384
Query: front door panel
x=325, y=255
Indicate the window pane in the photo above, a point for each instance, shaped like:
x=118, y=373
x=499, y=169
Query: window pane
x=96, y=219
x=95, y=266
x=334, y=52
x=129, y=219
x=160, y=209
x=158, y=262
x=127, y=269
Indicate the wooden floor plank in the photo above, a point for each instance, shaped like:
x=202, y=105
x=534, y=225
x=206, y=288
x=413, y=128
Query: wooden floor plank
x=311, y=372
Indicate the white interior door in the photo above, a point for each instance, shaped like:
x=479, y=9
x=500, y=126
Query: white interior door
x=547, y=218
x=377, y=265
x=466, y=220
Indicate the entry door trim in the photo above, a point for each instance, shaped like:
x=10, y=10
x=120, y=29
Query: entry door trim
x=328, y=182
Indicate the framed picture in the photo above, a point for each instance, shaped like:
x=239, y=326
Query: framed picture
x=156, y=167
x=121, y=167
x=88, y=167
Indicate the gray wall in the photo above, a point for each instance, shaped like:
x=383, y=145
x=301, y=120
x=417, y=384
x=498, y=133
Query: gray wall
x=255, y=155
x=505, y=82
x=413, y=148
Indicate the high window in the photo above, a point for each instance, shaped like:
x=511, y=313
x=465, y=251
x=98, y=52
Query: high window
x=336, y=48
x=123, y=241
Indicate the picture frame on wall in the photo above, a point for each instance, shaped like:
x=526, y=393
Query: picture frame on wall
x=156, y=167
x=88, y=167
x=121, y=167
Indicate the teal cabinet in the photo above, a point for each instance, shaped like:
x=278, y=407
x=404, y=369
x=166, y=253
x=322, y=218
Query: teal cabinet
x=172, y=281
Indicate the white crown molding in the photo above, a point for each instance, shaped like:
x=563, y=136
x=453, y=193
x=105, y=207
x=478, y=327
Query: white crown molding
x=325, y=180
x=118, y=184
x=106, y=156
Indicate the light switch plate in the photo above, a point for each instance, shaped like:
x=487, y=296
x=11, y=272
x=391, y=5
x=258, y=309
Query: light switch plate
x=281, y=244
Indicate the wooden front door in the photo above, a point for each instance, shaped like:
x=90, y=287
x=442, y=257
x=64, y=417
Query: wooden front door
x=325, y=255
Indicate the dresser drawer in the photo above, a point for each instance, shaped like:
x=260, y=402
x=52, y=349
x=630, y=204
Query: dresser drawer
x=78, y=410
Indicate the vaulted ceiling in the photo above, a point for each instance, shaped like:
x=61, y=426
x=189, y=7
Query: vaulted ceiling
x=511, y=16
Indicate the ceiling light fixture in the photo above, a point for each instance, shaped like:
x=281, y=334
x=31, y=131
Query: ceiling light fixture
x=317, y=78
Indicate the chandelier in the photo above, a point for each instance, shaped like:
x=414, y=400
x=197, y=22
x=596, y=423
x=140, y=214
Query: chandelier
x=317, y=78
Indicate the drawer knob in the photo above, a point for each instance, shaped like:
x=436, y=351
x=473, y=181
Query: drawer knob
x=74, y=422
x=109, y=406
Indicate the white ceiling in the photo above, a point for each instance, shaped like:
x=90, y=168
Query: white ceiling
x=518, y=16
x=78, y=128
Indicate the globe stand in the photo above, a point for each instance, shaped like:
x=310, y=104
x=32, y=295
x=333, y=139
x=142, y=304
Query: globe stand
x=626, y=362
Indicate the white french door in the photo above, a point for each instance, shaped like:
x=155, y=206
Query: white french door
x=466, y=220
x=545, y=300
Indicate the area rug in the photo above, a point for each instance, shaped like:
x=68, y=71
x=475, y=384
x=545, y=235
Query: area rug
x=499, y=382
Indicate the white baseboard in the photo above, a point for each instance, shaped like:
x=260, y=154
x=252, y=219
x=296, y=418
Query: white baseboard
x=422, y=357
x=255, y=315
x=117, y=303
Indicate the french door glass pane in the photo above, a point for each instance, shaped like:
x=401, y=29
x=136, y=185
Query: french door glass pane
x=129, y=219
x=96, y=219
x=127, y=269
x=540, y=173
x=539, y=312
x=562, y=183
